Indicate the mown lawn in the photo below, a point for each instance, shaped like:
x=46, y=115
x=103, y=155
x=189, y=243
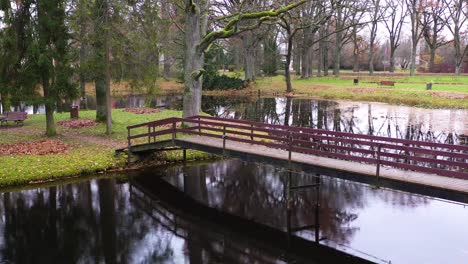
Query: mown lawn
x=81, y=159
x=447, y=91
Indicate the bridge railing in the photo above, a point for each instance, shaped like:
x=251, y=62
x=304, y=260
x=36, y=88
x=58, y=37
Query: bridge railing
x=428, y=157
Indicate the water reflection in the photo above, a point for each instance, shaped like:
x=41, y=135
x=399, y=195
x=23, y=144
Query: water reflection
x=387, y=225
x=93, y=222
x=435, y=125
x=106, y=221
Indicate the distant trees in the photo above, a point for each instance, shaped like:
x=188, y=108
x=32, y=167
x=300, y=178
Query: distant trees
x=140, y=41
x=456, y=17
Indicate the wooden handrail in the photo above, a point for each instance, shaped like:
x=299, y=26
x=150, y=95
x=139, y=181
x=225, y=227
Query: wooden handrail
x=397, y=153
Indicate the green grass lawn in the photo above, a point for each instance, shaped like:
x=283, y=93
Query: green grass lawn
x=447, y=91
x=82, y=159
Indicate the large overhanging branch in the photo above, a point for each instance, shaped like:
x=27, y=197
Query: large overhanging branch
x=231, y=28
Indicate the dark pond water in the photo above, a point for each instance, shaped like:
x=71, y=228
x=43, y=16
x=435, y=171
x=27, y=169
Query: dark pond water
x=435, y=125
x=115, y=221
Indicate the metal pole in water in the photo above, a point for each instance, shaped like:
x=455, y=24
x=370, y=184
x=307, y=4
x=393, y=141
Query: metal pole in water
x=317, y=208
x=288, y=209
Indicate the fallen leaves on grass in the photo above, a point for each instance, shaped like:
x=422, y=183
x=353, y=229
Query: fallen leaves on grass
x=363, y=90
x=77, y=123
x=39, y=147
x=141, y=111
x=450, y=95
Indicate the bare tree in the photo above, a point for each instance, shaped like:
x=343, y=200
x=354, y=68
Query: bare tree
x=456, y=17
x=415, y=8
x=393, y=16
x=435, y=23
x=314, y=14
x=348, y=16
x=375, y=16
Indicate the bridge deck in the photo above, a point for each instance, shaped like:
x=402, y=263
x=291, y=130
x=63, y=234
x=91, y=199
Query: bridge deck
x=432, y=180
x=435, y=169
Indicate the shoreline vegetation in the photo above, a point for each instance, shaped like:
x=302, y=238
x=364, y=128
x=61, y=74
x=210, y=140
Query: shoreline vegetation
x=86, y=150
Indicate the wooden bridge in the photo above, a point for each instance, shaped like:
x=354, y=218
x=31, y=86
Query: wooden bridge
x=423, y=167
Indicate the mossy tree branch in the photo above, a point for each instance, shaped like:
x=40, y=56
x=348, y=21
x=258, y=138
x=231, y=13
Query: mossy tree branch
x=231, y=28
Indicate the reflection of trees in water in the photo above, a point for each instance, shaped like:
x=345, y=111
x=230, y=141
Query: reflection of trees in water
x=257, y=192
x=330, y=115
x=82, y=223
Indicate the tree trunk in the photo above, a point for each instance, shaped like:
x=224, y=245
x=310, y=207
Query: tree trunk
x=165, y=43
x=287, y=72
x=310, y=56
x=373, y=35
x=49, y=108
x=195, y=28
x=338, y=40
x=84, y=103
x=355, y=50
x=304, y=64
x=108, y=78
x=249, y=56
x=326, y=64
x=432, y=59
x=337, y=62
x=392, y=58
x=306, y=55
x=100, y=86
x=458, y=70
x=321, y=49
x=371, y=59
x=413, y=58
x=100, y=51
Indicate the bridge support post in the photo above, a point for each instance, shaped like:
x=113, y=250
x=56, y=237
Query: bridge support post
x=377, y=168
x=184, y=155
x=129, y=147
x=251, y=132
x=290, y=149
x=174, y=135
x=224, y=141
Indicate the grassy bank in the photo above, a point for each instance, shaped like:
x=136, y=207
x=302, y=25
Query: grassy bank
x=447, y=91
x=82, y=158
x=89, y=149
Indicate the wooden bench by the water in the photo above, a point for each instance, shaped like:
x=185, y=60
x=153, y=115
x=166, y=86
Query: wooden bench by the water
x=17, y=117
x=404, y=163
x=387, y=83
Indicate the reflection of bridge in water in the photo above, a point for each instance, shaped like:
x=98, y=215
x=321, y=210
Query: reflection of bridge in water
x=405, y=164
x=227, y=237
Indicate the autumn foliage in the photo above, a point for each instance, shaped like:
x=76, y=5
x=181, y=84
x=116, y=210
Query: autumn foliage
x=39, y=147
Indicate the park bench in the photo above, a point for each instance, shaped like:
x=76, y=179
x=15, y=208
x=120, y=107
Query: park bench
x=17, y=117
x=387, y=83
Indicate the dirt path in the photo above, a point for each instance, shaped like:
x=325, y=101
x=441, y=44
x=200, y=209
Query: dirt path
x=96, y=140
